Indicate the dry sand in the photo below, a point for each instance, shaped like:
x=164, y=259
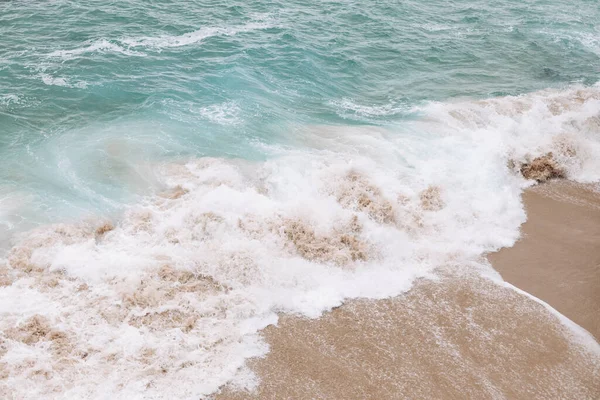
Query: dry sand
x=463, y=337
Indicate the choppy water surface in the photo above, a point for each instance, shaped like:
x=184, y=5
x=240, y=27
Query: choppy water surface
x=92, y=91
x=174, y=173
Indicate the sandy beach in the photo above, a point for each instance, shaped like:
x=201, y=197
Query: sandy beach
x=300, y=200
x=558, y=257
x=463, y=336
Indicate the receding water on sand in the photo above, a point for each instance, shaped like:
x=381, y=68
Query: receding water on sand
x=175, y=178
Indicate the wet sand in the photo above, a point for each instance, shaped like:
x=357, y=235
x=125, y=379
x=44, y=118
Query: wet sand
x=558, y=257
x=463, y=336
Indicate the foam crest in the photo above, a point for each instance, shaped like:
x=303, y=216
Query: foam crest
x=561, y=125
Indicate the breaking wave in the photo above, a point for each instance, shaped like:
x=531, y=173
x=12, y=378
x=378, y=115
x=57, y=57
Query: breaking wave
x=170, y=298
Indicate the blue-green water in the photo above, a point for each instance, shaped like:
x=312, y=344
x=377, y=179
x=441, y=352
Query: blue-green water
x=175, y=175
x=176, y=79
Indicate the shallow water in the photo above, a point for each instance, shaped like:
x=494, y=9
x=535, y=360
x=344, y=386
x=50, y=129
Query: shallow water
x=173, y=175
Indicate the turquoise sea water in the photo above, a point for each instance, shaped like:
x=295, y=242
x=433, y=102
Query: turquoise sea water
x=92, y=90
x=175, y=175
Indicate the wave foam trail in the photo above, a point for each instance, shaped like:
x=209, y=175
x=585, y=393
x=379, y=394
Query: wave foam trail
x=170, y=299
x=195, y=36
x=126, y=46
x=53, y=81
x=348, y=108
x=102, y=46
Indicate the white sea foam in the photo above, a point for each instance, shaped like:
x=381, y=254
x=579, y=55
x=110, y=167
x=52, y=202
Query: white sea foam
x=8, y=99
x=589, y=41
x=59, y=81
x=227, y=113
x=223, y=114
x=168, y=302
x=585, y=338
x=133, y=46
x=100, y=46
x=196, y=36
x=348, y=107
x=566, y=123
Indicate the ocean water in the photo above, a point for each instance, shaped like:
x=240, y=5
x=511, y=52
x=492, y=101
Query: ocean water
x=174, y=174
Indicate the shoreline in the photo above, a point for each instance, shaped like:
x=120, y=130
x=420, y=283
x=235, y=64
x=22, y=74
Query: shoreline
x=560, y=250
x=462, y=336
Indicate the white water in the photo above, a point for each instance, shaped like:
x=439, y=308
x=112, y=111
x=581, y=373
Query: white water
x=169, y=302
